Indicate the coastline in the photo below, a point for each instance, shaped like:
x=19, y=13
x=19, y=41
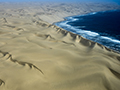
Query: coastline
x=68, y=27
x=64, y=18
x=37, y=55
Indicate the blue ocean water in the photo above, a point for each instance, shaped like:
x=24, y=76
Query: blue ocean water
x=102, y=27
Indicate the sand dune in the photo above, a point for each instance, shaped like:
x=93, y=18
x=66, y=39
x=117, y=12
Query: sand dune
x=36, y=55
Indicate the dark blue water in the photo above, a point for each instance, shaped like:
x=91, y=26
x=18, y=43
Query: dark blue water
x=102, y=27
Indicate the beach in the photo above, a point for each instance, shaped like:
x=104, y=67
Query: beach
x=35, y=54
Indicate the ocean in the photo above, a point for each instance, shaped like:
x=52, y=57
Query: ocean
x=101, y=27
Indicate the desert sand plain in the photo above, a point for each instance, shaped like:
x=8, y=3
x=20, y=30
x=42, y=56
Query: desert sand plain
x=37, y=55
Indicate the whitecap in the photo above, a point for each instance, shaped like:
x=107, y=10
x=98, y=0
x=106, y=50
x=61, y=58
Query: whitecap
x=91, y=33
x=72, y=19
x=93, y=13
x=113, y=40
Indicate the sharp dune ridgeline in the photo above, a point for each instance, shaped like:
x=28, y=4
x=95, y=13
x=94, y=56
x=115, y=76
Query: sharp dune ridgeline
x=37, y=55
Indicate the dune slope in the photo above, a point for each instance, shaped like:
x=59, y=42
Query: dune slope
x=36, y=55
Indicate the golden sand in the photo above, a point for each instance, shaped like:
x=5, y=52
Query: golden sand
x=36, y=55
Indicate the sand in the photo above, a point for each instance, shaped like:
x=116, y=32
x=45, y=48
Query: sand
x=37, y=55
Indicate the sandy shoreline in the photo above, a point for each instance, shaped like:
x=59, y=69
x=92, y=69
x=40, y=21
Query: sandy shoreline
x=36, y=55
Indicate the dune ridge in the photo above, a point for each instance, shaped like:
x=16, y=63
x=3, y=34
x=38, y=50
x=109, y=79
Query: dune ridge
x=37, y=55
x=9, y=57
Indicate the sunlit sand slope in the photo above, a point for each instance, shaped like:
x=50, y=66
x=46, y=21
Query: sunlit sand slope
x=35, y=55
